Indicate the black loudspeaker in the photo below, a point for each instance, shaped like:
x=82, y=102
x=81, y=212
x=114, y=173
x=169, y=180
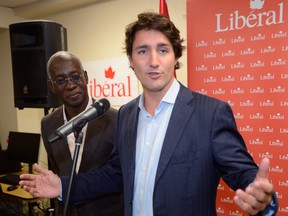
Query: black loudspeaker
x=32, y=44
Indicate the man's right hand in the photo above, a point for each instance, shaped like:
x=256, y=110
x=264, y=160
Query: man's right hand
x=45, y=185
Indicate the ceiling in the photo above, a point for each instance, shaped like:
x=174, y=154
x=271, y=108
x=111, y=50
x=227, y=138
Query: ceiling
x=39, y=8
x=16, y=3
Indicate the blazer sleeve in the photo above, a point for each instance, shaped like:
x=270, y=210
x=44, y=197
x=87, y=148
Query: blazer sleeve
x=234, y=162
x=96, y=183
x=45, y=128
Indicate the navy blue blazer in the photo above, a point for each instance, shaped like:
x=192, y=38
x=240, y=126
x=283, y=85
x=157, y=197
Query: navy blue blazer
x=202, y=144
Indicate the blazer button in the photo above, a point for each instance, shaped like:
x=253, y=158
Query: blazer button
x=130, y=202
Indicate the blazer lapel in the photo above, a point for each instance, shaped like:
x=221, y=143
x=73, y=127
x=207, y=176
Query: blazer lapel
x=91, y=142
x=178, y=120
x=130, y=145
x=61, y=148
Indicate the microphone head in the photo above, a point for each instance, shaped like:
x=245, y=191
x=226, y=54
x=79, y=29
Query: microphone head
x=104, y=103
x=54, y=137
x=77, y=123
x=101, y=105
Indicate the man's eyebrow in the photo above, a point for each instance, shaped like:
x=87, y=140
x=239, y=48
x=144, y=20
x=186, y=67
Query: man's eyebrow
x=147, y=46
x=163, y=45
x=142, y=46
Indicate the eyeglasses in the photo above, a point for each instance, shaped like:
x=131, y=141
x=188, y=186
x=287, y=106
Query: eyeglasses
x=63, y=82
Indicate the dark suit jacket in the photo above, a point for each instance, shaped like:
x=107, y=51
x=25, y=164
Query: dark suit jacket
x=97, y=150
x=201, y=145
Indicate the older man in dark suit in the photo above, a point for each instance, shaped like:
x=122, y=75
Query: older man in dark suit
x=68, y=80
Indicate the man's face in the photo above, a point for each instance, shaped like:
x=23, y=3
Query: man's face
x=73, y=94
x=153, y=61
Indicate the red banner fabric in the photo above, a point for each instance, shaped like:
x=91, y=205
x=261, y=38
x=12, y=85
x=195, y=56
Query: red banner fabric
x=238, y=52
x=163, y=9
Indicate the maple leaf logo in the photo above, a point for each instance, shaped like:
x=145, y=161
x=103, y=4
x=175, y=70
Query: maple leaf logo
x=109, y=73
x=256, y=4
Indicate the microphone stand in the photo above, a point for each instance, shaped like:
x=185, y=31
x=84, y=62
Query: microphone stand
x=78, y=140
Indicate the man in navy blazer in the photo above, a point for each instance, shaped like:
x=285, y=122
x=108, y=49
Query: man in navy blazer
x=172, y=145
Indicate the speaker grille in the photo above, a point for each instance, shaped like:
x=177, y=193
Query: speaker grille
x=32, y=44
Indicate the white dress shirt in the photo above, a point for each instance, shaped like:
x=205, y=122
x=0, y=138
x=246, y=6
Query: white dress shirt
x=71, y=138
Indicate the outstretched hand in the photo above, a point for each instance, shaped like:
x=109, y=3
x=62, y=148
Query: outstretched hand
x=257, y=196
x=44, y=185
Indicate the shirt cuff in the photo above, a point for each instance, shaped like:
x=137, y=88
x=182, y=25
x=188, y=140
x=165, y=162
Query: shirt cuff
x=60, y=196
x=272, y=208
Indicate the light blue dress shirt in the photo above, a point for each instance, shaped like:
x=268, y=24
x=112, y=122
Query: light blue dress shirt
x=150, y=136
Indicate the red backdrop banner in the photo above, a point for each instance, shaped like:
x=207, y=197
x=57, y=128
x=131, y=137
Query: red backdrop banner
x=238, y=52
x=163, y=9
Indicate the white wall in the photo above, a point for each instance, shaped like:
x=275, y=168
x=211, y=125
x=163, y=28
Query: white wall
x=8, y=114
x=94, y=32
x=7, y=17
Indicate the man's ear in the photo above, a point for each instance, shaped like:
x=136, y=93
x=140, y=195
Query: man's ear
x=131, y=64
x=86, y=77
x=51, y=86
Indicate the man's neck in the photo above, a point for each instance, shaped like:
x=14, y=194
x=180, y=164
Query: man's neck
x=71, y=112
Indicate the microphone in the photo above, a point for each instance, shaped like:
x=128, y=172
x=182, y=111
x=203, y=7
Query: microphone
x=78, y=122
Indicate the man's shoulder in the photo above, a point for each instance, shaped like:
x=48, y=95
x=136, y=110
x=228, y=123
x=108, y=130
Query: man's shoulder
x=111, y=112
x=54, y=114
x=130, y=106
x=188, y=94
